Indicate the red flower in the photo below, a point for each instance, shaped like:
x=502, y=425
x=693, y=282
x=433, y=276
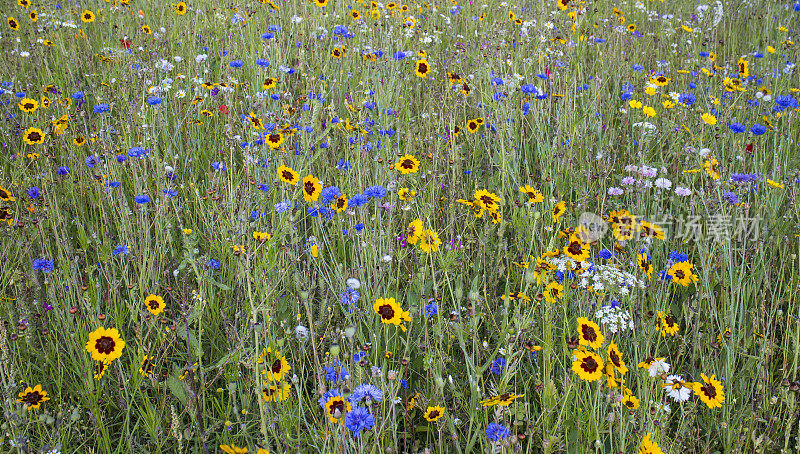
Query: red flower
x=126, y=43
x=223, y=109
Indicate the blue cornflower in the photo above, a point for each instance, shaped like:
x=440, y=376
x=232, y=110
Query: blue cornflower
x=34, y=192
x=363, y=391
x=375, y=192
x=431, y=309
x=236, y=63
x=358, y=200
x=605, y=254
x=736, y=127
x=274, y=28
x=219, y=166
x=786, y=101
x=678, y=257
x=731, y=197
x=255, y=215
x=637, y=67
x=359, y=227
x=142, y=198
x=358, y=419
x=120, y=249
x=214, y=264
x=497, y=432
x=283, y=205
x=704, y=54
x=496, y=81
x=43, y=264
x=262, y=62
x=758, y=129
x=262, y=187
x=101, y=108
x=344, y=165
x=687, y=98
x=268, y=36
x=63, y=170
x=109, y=184
x=625, y=96
x=329, y=194
x=92, y=161
x=169, y=192
x=399, y=56
x=612, y=303
x=121, y=158
x=334, y=375
x=153, y=101
x=744, y=177
x=498, y=365
x=77, y=95
x=350, y=297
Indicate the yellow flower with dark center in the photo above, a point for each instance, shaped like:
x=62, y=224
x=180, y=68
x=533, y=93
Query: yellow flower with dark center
x=630, y=402
x=644, y=264
x=558, y=210
x=682, y=273
x=532, y=347
x=312, y=188
x=79, y=141
x=275, y=140
x=146, y=366
x=340, y=203
x=553, y=292
x=32, y=398
x=502, y=400
x=100, y=369
x=33, y=136
x=24, y=3
x=422, y=68
x=744, y=68
x=534, y=196
x=648, y=446
x=710, y=391
x=87, y=16
x=179, y=8
x=563, y=4
x=338, y=52
x=28, y=105
x=661, y=81
x=587, y=365
x=45, y=102
x=336, y=407
x=474, y=124
x=576, y=249
x=486, y=200
x=276, y=391
x=155, y=304
x=407, y=164
x=146, y=30
x=433, y=413
x=269, y=82
x=288, y=175
x=233, y=449
x=355, y=15
x=414, y=232
x=631, y=28
x=513, y=296
x=615, y=358
x=712, y=168
x=589, y=333
x=429, y=241
x=667, y=324
x=611, y=376
x=321, y=3
x=261, y=236
x=275, y=365
x=12, y=23
x=5, y=195
x=406, y=194
x=654, y=231
x=105, y=345
x=391, y=313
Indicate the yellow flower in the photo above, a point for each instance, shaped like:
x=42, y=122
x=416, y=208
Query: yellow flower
x=434, y=413
x=648, y=446
x=630, y=401
x=615, y=358
x=288, y=175
x=406, y=194
x=709, y=119
x=774, y=184
x=534, y=196
x=155, y=304
x=423, y=68
x=261, y=236
x=415, y=231
x=187, y=231
x=682, y=273
x=407, y=164
x=558, y=210
x=648, y=111
x=391, y=313
x=429, y=241
x=105, y=345
x=87, y=16
x=276, y=392
x=32, y=398
x=710, y=392
x=589, y=333
x=233, y=449
x=553, y=292
x=180, y=10
x=276, y=366
x=587, y=365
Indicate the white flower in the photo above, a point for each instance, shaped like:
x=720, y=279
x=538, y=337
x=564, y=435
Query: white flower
x=658, y=367
x=301, y=332
x=631, y=168
x=615, y=191
x=681, y=191
x=201, y=58
x=676, y=388
x=353, y=283
x=296, y=19
x=663, y=183
x=704, y=152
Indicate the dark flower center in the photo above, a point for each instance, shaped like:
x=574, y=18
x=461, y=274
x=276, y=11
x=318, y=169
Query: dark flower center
x=276, y=367
x=32, y=398
x=337, y=405
x=589, y=365
x=423, y=68
x=588, y=333
x=679, y=274
x=309, y=187
x=433, y=414
x=407, y=164
x=287, y=175
x=105, y=345
x=34, y=136
x=153, y=304
x=575, y=248
x=614, y=358
x=709, y=390
x=386, y=312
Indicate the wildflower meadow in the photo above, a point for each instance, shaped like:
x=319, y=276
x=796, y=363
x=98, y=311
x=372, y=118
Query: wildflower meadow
x=468, y=226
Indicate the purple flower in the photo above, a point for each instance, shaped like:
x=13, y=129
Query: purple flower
x=34, y=192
